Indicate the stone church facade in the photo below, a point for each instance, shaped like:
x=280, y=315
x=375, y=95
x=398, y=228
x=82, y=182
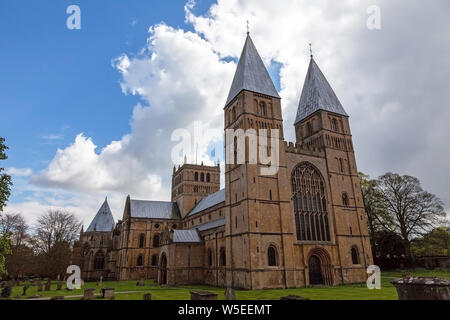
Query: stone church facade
x=304, y=225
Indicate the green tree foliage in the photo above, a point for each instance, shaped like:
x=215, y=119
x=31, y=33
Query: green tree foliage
x=434, y=243
x=5, y=180
x=5, y=249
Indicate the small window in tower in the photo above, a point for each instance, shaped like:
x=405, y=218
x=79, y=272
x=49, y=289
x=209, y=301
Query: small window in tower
x=262, y=108
x=272, y=256
x=355, y=258
x=208, y=177
x=202, y=177
x=270, y=194
x=234, y=114
x=141, y=240
x=309, y=129
x=223, y=258
x=196, y=176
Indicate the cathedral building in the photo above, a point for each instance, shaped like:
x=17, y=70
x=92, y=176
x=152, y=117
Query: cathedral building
x=304, y=225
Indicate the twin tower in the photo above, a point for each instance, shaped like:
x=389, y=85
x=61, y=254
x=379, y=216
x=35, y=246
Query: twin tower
x=306, y=223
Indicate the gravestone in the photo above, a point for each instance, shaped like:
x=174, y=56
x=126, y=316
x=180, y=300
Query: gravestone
x=39, y=286
x=24, y=289
x=203, y=295
x=107, y=293
x=59, y=286
x=48, y=286
x=229, y=294
x=147, y=296
x=141, y=283
x=88, y=294
x=422, y=288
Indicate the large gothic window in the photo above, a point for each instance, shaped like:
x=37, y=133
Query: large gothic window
x=310, y=204
x=99, y=261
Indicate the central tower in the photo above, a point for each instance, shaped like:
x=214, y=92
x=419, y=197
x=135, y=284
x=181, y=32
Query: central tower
x=258, y=223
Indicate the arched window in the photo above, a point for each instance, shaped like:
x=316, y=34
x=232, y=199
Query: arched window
x=141, y=240
x=235, y=149
x=202, y=177
x=208, y=177
x=223, y=258
x=262, y=108
x=309, y=129
x=334, y=125
x=154, y=260
x=355, y=259
x=345, y=200
x=341, y=165
x=310, y=204
x=196, y=176
x=156, y=241
x=99, y=260
x=140, y=261
x=234, y=114
x=210, y=258
x=272, y=256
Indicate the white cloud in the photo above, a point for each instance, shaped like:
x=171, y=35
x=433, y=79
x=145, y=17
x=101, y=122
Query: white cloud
x=393, y=87
x=19, y=172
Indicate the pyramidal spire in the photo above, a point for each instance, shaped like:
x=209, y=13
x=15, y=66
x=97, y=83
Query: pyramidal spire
x=317, y=95
x=251, y=74
x=103, y=220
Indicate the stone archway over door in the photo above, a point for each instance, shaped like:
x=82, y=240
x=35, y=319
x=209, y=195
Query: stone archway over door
x=163, y=269
x=320, y=267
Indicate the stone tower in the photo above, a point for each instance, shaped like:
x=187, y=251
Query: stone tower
x=322, y=123
x=191, y=183
x=257, y=204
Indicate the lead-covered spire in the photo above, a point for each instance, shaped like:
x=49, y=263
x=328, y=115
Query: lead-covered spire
x=251, y=74
x=103, y=220
x=317, y=95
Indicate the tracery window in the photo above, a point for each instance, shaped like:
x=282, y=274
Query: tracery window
x=310, y=204
x=99, y=261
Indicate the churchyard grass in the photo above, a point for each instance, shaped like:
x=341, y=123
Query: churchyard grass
x=345, y=292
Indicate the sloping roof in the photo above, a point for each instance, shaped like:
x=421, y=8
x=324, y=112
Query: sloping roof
x=317, y=95
x=154, y=209
x=251, y=74
x=208, y=202
x=186, y=236
x=211, y=225
x=103, y=220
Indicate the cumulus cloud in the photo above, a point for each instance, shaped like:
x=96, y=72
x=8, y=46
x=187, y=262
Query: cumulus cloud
x=393, y=83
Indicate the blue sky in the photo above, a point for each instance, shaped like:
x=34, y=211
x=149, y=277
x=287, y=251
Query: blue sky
x=124, y=89
x=57, y=82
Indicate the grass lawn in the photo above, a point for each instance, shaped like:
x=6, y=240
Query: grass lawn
x=345, y=292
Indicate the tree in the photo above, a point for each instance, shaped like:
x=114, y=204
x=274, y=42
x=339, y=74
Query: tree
x=5, y=249
x=5, y=180
x=411, y=211
x=373, y=207
x=56, y=231
x=14, y=223
x=436, y=242
x=56, y=226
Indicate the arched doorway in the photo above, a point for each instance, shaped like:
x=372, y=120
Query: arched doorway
x=320, y=267
x=315, y=271
x=163, y=270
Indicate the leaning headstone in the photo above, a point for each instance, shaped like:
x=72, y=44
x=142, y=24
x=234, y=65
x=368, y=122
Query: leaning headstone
x=107, y=293
x=147, y=296
x=39, y=286
x=229, y=294
x=203, y=295
x=292, y=297
x=88, y=294
x=422, y=288
x=59, y=286
x=57, y=298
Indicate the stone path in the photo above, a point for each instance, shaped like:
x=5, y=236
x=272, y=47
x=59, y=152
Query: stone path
x=81, y=296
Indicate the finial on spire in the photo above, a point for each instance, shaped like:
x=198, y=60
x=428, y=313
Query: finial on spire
x=248, y=27
x=310, y=50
